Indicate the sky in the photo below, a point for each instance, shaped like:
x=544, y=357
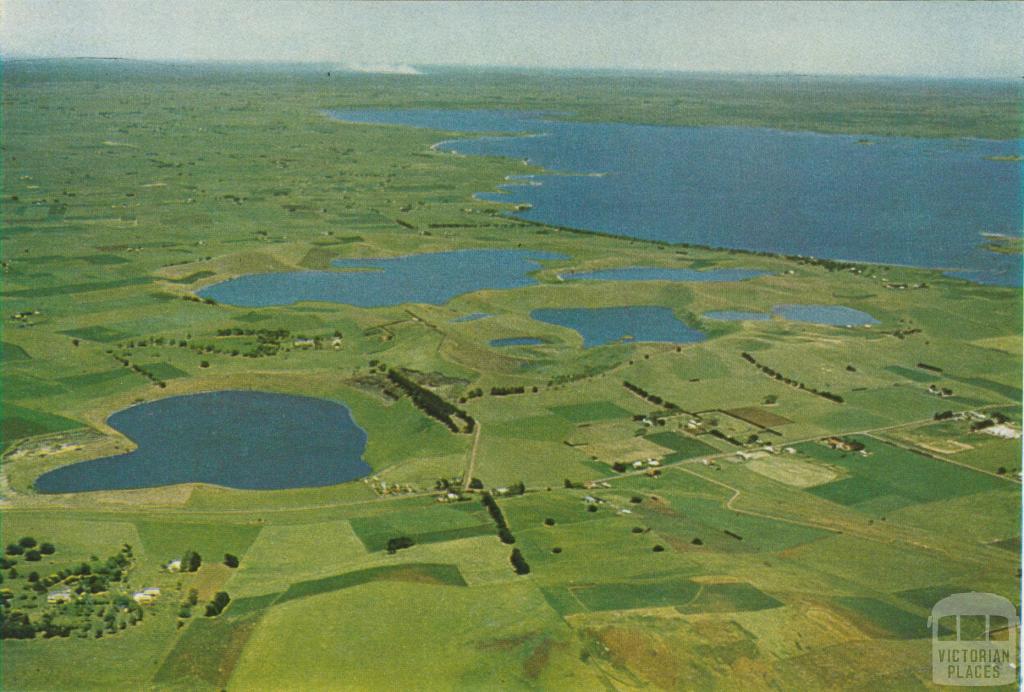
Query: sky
x=941, y=39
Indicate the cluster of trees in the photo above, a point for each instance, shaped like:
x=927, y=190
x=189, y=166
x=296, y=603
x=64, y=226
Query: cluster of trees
x=399, y=543
x=268, y=343
x=988, y=422
x=185, y=611
x=519, y=563
x=84, y=580
x=433, y=405
x=903, y=333
x=471, y=394
x=715, y=432
x=653, y=398
x=27, y=547
x=505, y=391
x=827, y=264
x=504, y=533
x=191, y=561
x=139, y=370
x=197, y=299
x=791, y=382
x=218, y=604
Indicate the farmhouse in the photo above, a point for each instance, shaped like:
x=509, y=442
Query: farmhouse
x=1002, y=430
x=146, y=596
x=59, y=596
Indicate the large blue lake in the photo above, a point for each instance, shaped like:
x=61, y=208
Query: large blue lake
x=896, y=200
x=250, y=440
x=432, y=278
x=599, y=326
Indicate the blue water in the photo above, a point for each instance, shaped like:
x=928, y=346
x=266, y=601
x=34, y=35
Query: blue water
x=664, y=274
x=600, y=326
x=518, y=341
x=432, y=278
x=737, y=315
x=250, y=440
x=838, y=315
x=919, y=202
x=472, y=317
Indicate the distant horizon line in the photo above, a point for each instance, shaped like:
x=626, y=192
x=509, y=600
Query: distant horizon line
x=354, y=68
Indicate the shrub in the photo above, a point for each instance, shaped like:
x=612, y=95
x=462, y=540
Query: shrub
x=396, y=544
x=230, y=560
x=27, y=542
x=33, y=556
x=659, y=548
x=218, y=604
x=519, y=562
x=47, y=548
x=191, y=561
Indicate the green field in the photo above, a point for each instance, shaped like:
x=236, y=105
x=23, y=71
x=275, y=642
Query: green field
x=742, y=552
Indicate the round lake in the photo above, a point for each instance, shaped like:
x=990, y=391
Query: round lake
x=245, y=440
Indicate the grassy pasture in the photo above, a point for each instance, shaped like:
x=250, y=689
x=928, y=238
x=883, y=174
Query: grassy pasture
x=590, y=411
x=159, y=196
x=441, y=575
x=684, y=446
x=423, y=526
x=9, y=353
x=671, y=592
x=18, y=422
x=728, y=597
x=891, y=471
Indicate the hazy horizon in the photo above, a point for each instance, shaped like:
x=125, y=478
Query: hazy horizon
x=960, y=40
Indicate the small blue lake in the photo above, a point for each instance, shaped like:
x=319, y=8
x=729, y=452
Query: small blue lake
x=834, y=315
x=247, y=440
x=472, y=317
x=894, y=200
x=664, y=274
x=433, y=278
x=518, y=341
x=600, y=326
x=737, y=316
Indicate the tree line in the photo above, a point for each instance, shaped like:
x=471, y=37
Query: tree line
x=653, y=398
x=791, y=382
x=433, y=405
